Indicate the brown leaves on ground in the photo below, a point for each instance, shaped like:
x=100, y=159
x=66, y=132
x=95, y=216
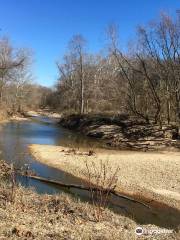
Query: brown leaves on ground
x=44, y=217
x=34, y=216
x=4, y=169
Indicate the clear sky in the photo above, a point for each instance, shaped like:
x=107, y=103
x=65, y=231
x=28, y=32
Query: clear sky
x=46, y=26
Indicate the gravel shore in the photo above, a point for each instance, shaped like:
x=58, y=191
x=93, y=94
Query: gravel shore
x=152, y=175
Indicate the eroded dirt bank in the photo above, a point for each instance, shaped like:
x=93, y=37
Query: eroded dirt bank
x=151, y=175
x=43, y=113
x=123, y=132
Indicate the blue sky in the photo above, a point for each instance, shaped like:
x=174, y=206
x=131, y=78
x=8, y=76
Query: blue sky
x=46, y=26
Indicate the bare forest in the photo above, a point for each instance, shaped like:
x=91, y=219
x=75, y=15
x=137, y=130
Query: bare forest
x=144, y=81
x=18, y=91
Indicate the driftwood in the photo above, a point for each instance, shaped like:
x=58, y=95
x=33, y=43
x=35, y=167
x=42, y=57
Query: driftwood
x=85, y=188
x=75, y=152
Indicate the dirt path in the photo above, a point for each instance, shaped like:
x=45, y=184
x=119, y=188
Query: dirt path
x=152, y=175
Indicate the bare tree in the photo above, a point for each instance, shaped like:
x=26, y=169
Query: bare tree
x=143, y=81
x=17, y=91
x=10, y=59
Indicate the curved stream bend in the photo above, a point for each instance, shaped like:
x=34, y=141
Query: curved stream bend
x=14, y=140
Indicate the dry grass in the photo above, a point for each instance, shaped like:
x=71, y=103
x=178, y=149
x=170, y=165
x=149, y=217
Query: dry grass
x=58, y=217
x=105, y=179
x=45, y=217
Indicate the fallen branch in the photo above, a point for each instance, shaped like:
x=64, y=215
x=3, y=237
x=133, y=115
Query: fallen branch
x=85, y=188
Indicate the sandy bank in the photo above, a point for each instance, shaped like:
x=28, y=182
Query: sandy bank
x=153, y=175
x=46, y=113
x=15, y=119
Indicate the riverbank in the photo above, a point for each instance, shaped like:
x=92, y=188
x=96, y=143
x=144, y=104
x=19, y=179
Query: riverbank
x=29, y=215
x=123, y=132
x=44, y=113
x=26, y=116
x=153, y=176
x=33, y=216
x=15, y=118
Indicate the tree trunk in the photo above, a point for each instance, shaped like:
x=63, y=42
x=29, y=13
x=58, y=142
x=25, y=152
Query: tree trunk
x=82, y=84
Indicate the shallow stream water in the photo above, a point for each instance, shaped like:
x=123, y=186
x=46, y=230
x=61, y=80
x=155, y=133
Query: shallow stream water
x=14, y=140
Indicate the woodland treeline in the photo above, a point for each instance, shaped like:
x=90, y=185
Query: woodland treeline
x=143, y=81
x=17, y=90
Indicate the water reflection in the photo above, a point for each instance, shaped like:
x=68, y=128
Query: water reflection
x=16, y=136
